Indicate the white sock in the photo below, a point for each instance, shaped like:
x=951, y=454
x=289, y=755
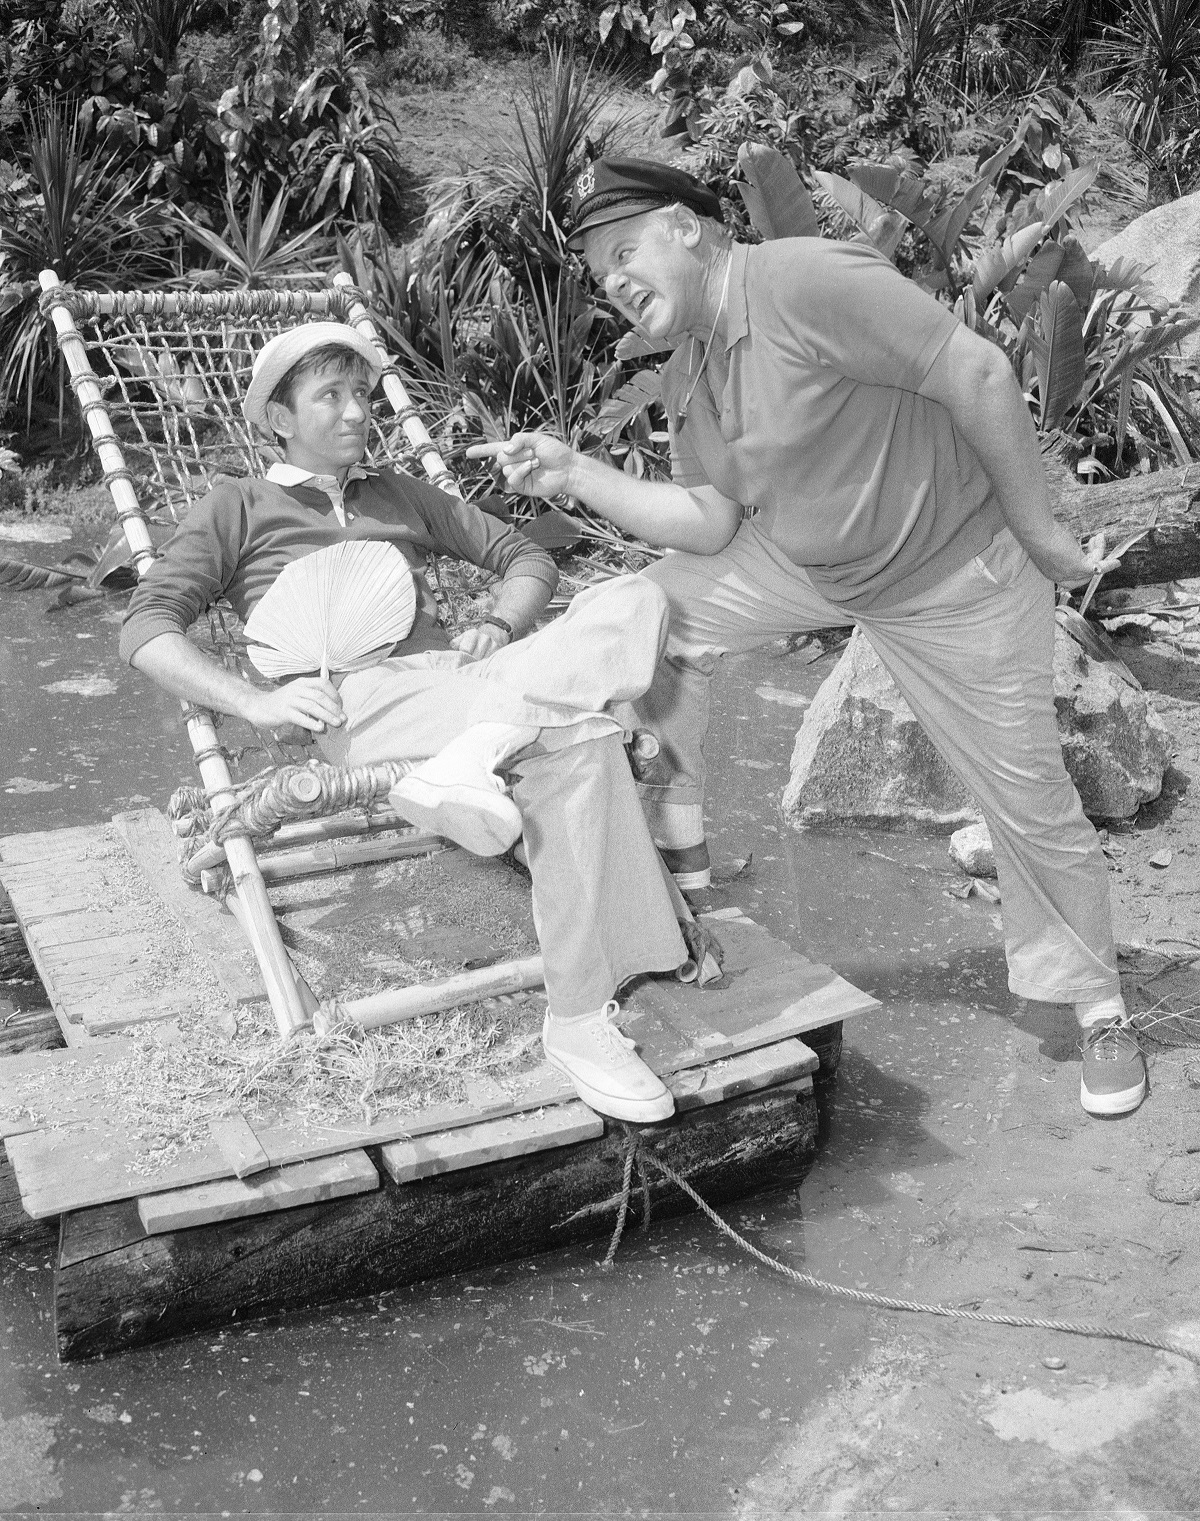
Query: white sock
x=1102, y=1012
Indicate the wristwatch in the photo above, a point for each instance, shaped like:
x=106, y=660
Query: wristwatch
x=497, y=623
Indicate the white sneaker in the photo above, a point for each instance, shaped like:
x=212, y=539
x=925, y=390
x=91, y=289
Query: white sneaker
x=604, y=1065
x=458, y=794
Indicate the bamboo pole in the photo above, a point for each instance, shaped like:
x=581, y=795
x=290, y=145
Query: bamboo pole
x=326, y=856
x=410, y=420
x=414, y=843
x=396, y=1004
x=259, y=918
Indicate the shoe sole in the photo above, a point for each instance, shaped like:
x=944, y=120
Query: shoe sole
x=643, y=1112
x=1112, y=1103
x=485, y=823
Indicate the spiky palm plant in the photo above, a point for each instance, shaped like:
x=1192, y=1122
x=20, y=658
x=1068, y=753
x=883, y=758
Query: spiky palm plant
x=1151, y=59
x=75, y=213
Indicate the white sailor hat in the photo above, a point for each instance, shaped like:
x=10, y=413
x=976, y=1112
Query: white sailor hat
x=278, y=356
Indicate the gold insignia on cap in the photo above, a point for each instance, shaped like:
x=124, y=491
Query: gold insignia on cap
x=587, y=181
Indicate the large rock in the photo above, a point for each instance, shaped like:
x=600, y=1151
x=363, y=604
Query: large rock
x=1115, y=745
x=861, y=758
x=1168, y=240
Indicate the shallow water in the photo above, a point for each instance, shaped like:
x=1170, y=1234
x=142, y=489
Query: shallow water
x=546, y=1386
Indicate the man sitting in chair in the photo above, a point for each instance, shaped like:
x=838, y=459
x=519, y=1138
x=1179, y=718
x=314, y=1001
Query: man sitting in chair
x=536, y=707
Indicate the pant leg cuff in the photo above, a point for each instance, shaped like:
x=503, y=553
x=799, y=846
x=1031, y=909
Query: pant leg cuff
x=1083, y=993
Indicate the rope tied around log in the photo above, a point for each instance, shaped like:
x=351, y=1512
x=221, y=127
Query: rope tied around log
x=636, y=1152
x=279, y=796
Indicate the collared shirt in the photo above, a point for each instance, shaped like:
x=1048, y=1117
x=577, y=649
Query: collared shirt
x=820, y=429
x=284, y=474
x=237, y=540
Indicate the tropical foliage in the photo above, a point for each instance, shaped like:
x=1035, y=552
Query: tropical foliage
x=247, y=142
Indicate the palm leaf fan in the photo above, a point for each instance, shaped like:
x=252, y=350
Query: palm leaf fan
x=329, y=609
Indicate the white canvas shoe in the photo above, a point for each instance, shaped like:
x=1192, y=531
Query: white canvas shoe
x=458, y=794
x=603, y=1063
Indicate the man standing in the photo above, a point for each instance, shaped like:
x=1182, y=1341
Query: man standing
x=536, y=707
x=844, y=449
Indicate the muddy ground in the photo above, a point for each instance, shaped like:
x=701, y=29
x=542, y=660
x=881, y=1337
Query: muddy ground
x=956, y=1166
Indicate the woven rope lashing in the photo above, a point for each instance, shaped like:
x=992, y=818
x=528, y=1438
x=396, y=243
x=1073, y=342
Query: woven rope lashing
x=288, y=795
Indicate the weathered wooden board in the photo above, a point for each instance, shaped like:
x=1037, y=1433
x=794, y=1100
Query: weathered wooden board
x=239, y=1146
x=771, y=993
x=516, y=1135
x=131, y=1288
x=151, y=842
x=350, y=1172
x=109, y=924
x=766, y=1067
x=521, y=1134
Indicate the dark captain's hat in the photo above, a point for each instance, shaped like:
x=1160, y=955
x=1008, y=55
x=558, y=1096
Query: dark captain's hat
x=613, y=188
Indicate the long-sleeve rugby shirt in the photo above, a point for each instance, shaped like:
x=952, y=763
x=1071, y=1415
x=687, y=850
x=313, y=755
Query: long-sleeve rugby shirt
x=237, y=539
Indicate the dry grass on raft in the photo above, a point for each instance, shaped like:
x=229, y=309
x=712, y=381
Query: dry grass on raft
x=179, y=1078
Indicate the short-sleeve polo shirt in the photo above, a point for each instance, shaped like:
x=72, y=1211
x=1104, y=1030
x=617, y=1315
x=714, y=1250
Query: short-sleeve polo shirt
x=820, y=428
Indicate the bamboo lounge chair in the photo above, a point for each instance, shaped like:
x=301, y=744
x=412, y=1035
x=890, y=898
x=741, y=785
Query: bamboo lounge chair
x=176, y=366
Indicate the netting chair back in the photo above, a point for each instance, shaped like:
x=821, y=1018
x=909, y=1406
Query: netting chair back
x=172, y=368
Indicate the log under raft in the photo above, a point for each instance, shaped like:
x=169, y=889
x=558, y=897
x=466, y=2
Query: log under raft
x=260, y=1207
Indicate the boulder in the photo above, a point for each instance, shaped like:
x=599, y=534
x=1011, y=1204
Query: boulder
x=1168, y=240
x=861, y=758
x=971, y=848
x=1115, y=745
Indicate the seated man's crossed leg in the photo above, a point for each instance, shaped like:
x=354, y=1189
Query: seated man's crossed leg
x=537, y=711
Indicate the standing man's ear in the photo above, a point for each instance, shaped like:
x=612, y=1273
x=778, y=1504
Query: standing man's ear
x=687, y=225
x=282, y=422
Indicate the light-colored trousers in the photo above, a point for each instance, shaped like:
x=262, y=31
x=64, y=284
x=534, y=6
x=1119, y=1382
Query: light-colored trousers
x=974, y=659
x=601, y=904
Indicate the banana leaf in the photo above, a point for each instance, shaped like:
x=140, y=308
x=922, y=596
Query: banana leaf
x=882, y=228
x=995, y=264
x=20, y=575
x=635, y=397
x=633, y=346
x=945, y=230
x=776, y=200
x=1041, y=269
x=1142, y=344
x=1124, y=274
x=1057, y=199
x=1058, y=352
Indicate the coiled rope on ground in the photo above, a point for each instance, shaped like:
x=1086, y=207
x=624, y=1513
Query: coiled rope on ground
x=636, y=1153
